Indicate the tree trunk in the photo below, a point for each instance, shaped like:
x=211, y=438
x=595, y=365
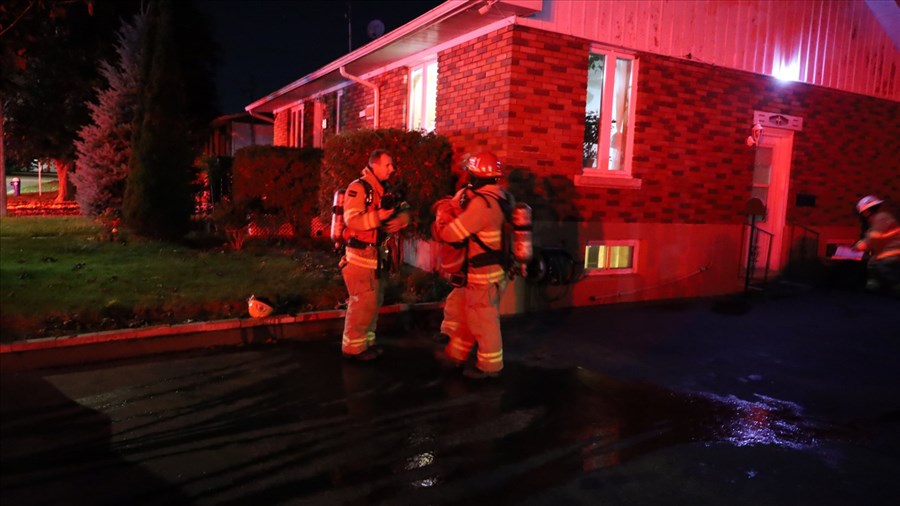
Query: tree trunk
x=62, y=177
x=2, y=163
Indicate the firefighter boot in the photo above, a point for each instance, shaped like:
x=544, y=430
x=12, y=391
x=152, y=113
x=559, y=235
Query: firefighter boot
x=370, y=354
x=478, y=374
x=445, y=360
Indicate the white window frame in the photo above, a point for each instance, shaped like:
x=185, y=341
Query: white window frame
x=295, y=127
x=606, y=271
x=602, y=175
x=419, y=99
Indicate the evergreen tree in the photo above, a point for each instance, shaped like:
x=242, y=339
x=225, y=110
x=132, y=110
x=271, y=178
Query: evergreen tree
x=48, y=69
x=105, y=146
x=173, y=111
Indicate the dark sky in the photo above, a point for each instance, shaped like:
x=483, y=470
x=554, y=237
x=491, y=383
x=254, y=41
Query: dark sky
x=267, y=44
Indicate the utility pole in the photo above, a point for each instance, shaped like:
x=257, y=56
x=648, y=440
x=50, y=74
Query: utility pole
x=349, y=29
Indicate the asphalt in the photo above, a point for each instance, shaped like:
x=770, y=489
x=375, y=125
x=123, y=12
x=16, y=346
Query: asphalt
x=790, y=397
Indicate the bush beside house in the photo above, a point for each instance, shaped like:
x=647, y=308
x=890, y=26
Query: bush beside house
x=423, y=162
x=280, y=183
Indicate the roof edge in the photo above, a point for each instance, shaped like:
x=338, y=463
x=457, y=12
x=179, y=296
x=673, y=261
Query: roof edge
x=443, y=11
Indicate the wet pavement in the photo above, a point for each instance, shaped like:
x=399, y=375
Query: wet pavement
x=793, y=400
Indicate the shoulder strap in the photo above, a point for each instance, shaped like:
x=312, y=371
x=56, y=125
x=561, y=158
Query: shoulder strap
x=506, y=216
x=370, y=192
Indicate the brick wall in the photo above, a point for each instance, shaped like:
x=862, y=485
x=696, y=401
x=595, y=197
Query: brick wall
x=280, y=134
x=473, y=93
x=692, y=120
x=393, y=90
x=689, y=150
x=849, y=147
x=521, y=92
x=329, y=114
x=356, y=98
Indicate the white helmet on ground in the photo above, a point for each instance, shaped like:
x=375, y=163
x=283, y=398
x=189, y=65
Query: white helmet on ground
x=867, y=202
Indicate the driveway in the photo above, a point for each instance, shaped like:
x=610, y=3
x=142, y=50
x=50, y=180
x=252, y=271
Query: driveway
x=790, y=400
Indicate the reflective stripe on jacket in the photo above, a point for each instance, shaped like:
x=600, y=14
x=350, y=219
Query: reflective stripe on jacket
x=883, y=236
x=362, y=220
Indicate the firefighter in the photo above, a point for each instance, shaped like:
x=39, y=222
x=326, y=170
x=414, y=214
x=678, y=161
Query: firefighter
x=368, y=225
x=472, y=310
x=882, y=241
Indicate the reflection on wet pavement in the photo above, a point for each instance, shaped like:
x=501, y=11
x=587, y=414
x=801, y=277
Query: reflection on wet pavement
x=297, y=423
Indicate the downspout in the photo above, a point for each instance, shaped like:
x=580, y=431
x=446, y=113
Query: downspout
x=260, y=116
x=253, y=127
x=372, y=86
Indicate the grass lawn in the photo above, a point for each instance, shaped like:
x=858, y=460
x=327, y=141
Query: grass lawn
x=59, y=278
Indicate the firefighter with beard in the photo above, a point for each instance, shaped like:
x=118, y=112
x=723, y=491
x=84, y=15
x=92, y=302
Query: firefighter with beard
x=472, y=221
x=368, y=224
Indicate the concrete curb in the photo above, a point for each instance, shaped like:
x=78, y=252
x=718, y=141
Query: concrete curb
x=125, y=343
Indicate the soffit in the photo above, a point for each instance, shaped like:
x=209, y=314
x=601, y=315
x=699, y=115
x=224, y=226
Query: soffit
x=447, y=22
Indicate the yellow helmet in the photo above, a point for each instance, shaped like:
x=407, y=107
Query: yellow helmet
x=259, y=308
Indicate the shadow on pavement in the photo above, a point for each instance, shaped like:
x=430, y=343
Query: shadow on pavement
x=56, y=451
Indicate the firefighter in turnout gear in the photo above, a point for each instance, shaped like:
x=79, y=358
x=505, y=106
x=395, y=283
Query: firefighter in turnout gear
x=472, y=310
x=368, y=224
x=882, y=241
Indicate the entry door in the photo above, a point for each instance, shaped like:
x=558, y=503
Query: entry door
x=771, y=174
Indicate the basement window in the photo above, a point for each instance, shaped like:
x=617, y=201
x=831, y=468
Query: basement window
x=609, y=118
x=610, y=257
x=423, y=96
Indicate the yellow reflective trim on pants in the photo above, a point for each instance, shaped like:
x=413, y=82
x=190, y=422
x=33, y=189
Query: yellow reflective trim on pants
x=346, y=341
x=495, y=357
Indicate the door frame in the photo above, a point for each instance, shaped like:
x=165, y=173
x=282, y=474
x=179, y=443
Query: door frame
x=781, y=141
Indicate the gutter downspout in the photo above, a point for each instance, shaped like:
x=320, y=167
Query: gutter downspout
x=372, y=86
x=253, y=127
x=260, y=116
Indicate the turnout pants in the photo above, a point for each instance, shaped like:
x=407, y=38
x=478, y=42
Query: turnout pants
x=472, y=315
x=366, y=297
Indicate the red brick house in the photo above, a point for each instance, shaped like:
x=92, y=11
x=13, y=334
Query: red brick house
x=625, y=125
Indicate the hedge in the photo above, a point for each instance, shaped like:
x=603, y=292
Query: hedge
x=283, y=181
x=423, y=165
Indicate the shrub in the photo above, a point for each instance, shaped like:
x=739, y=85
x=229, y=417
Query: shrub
x=423, y=163
x=218, y=176
x=232, y=218
x=285, y=180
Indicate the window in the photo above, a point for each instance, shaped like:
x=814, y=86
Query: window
x=609, y=114
x=611, y=257
x=423, y=96
x=295, y=128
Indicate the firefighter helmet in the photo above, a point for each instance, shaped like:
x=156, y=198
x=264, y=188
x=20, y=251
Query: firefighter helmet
x=484, y=164
x=259, y=307
x=867, y=202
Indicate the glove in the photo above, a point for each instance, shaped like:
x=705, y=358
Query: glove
x=445, y=211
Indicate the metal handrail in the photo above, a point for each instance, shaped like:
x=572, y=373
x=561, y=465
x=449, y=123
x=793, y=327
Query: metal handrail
x=752, y=246
x=807, y=231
